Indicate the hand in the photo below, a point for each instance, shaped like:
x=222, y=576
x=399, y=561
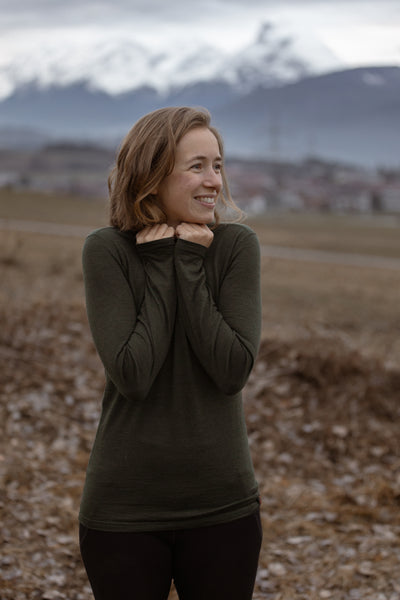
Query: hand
x=155, y=232
x=193, y=232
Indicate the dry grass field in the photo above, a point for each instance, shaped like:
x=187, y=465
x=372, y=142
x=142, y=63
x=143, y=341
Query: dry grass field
x=322, y=406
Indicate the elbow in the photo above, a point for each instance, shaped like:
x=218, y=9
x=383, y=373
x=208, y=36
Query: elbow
x=128, y=380
x=234, y=380
x=232, y=385
x=231, y=389
x=236, y=372
x=130, y=373
x=133, y=393
x=127, y=388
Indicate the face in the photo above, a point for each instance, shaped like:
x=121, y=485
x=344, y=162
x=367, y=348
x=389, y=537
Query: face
x=190, y=192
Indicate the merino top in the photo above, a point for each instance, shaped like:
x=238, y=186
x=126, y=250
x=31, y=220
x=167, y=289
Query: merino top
x=177, y=327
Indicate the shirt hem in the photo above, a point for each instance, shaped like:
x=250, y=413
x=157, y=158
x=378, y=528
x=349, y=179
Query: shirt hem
x=147, y=525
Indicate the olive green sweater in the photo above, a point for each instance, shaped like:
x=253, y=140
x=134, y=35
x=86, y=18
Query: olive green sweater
x=177, y=327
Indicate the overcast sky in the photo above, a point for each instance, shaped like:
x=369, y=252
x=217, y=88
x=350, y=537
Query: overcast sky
x=359, y=32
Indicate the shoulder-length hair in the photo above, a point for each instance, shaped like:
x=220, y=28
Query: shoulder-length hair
x=146, y=157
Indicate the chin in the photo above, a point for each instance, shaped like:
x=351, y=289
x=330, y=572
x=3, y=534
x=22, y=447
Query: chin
x=202, y=220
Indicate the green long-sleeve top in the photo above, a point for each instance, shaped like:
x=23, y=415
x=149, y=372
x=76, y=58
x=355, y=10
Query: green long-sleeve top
x=177, y=327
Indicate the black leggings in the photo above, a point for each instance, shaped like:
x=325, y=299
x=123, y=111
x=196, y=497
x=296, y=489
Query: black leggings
x=218, y=562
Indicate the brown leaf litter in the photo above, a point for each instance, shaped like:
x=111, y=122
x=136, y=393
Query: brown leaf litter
x=323, y=429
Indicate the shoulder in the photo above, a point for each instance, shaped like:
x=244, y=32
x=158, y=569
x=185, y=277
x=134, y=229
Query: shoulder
x=234, y=244
x=234, y=233
x=109, y=243
x=111, y=235
x=110, y=238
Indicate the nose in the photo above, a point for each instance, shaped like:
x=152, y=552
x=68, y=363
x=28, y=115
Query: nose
x=213, y=179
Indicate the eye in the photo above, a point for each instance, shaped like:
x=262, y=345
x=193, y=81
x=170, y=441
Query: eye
x=218, y=167
x=196, y=166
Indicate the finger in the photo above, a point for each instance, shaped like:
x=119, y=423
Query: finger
x=170, y=232
x=142, y=235
x=154, y=232
x=166, y=231
x=187, y=227
x=147, y=234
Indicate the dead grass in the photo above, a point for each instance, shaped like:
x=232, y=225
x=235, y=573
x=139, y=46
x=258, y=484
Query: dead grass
x=41, y=266
x=359, y=304
x=360, y=234
x=53, y=207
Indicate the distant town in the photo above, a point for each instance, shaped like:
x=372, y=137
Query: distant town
x=313, y=185
x=258, y=186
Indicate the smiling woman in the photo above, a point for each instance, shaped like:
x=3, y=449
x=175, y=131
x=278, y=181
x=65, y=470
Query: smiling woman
x=171, y=160
x=173, y=301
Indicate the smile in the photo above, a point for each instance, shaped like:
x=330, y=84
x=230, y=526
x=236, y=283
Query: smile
x=209, y=200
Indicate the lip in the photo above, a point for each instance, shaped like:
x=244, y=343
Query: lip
x=203, y=202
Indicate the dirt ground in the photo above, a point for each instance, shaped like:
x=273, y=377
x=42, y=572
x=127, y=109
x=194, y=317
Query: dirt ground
x=322, y=415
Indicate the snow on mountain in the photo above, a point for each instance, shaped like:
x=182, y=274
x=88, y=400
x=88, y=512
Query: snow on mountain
x=117, y=65
x=111, y=66
x=268, y=61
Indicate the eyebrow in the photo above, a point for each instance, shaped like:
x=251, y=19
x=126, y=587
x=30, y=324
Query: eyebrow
x=202, y=157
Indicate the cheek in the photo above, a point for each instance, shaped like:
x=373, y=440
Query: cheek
x=178, y=190
x=184, y=184
x=178, y=186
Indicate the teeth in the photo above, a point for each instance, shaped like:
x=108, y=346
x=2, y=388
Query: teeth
x=207, y=200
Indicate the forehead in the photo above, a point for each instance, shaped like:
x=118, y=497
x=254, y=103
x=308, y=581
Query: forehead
x=198, y=142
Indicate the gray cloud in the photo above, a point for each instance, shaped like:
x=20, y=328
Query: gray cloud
x=44, y=13
x=51, y=13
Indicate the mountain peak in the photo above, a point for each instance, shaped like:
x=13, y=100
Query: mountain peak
x=264, y=33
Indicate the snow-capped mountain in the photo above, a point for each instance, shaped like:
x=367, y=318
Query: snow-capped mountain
x=117, y=65
x=349, y=115
x=277, y=57
x=281, y=96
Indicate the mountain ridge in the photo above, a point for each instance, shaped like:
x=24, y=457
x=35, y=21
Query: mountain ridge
x=352, y=114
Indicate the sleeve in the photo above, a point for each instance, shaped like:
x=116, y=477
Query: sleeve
x=132, y=341
x=225, y=338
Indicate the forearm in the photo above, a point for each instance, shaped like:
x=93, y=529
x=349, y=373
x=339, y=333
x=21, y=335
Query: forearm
x=225, y=338
x=132, y=341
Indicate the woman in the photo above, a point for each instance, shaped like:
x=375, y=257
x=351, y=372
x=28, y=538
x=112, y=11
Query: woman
x=174, y=309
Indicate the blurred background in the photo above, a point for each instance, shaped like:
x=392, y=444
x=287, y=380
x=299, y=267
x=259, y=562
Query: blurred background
x=307, y=96
x=286, y=82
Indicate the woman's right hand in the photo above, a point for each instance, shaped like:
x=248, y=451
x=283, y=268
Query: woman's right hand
x=155, y=232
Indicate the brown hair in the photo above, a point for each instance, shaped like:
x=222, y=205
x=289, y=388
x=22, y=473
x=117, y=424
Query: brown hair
x=146, y=157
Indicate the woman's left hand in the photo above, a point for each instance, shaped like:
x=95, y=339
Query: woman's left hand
x=196, y=233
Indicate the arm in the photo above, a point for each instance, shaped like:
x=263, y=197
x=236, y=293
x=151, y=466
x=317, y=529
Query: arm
x=226, y=337
x=131, y=341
